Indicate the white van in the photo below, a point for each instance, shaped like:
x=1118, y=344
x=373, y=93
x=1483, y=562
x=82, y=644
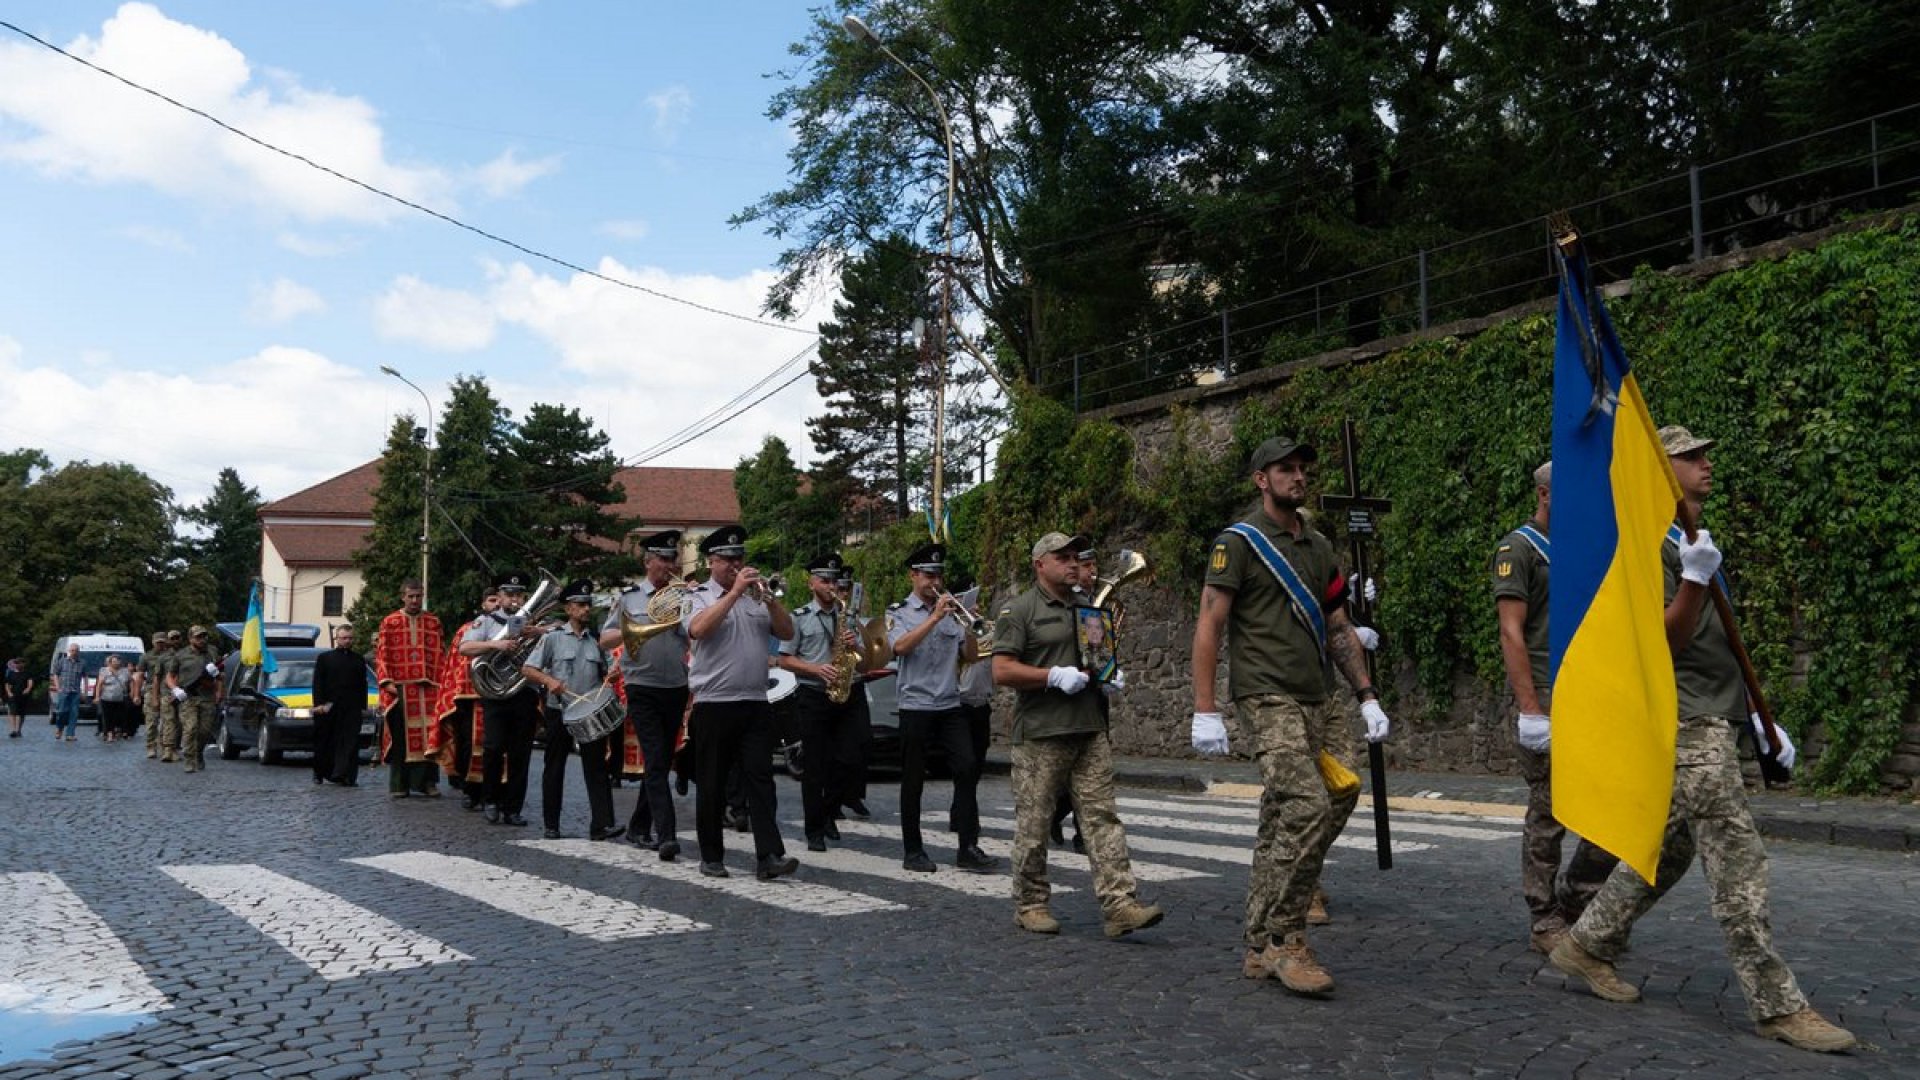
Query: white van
x=95, y=647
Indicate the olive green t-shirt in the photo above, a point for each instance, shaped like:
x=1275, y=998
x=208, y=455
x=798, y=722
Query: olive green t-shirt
x=1269, y=650
x=1706, y=674
x=1036, y=629
x=1519, y=573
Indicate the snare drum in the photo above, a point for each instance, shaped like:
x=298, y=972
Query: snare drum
x=781, y=684
x=594, y=715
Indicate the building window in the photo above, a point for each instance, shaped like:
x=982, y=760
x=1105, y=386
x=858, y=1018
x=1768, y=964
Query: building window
x=332, y=600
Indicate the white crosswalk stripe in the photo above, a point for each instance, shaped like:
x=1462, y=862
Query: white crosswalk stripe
x=1361, y=821
x=554, y=903
x=1070, y=860
x=57, y=956
x=802, y=896
x=337, y=939
x=841, y=860
x=1143, y=841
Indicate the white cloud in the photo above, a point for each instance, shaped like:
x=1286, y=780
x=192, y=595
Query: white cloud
x=444, y=319
x=285, y=300
x=508, y=5
x=316, y=247
x=82, y=125
x=156, y=237
x=508, y=174
x=671, y=109
x=626, y=229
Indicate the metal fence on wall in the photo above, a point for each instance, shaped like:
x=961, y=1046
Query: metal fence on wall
x=1729, y=205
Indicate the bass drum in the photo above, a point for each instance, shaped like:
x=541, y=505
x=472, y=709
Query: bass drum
x=780, y=685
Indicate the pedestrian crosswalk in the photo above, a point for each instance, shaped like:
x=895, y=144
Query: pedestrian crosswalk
x=59, y=956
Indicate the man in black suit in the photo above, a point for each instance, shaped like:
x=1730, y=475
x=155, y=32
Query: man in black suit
x=339, y=702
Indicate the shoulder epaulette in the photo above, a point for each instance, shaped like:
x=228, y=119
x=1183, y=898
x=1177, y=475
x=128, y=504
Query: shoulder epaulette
x=896, y=605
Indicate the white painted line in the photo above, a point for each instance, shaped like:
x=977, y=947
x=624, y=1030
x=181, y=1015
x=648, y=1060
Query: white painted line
x=802, y=896
x=554, y=903
x=1240, y=856
x=57, y=956
x=338, y=940
x=950, y=877
x=1056, y=858
x=1250, y=808
x=1250, y=815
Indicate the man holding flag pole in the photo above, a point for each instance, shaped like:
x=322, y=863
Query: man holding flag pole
x=1634, y=647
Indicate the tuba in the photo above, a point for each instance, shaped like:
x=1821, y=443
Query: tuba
x=663, y=614
x=497, y=675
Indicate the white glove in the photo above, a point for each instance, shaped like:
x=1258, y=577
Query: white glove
x=1699, y=559
x=1378, y=726
x=1116, y=684
x=211, y=670
x=1067, y=680
x=1369, y=637
x=1787, y=753
x=1209, y=733
x=179, y=694
x=1535, y=732
x=1364, y=588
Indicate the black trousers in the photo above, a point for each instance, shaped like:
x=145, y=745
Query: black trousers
x=850, y=753
x=655, y=714
x=342, y=751
x=729, y=734
x=462, y=722
x=324, y=727
x=919, y=728
x=825, y=728
x=507, y=750
x=979, y=734
x=593, y=769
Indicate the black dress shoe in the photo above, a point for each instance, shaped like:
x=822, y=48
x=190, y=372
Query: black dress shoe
x=833, y=831
x=669, y=850
x=816, y=843
x=470, y=803
x=614, y=833
x=859, y=809
x=493, y=815
x=919, y=863
x=714, y=869
x=550, y=833
x=513, y=819
x=774, y=866
x=973, y=860
x=680, y=786
x=642, y=839
x=1079, y=844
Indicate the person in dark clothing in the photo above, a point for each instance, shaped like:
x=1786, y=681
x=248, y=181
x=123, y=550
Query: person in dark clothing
x=339, y=705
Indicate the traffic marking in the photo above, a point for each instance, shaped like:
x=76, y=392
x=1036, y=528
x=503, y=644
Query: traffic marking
x=1070, y=860
x=801, y=896
x=57, y=956
x=1239, y=856
x=337, y=939
x=554, y=903
x=1250, y=815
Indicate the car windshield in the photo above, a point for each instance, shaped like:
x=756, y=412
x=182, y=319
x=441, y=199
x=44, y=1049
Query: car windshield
x=291, y=674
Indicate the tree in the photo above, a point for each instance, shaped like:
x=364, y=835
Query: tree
x=565, y=477
x=473, y=478
x=391, y=554
x=230, y=550
x=786, y=522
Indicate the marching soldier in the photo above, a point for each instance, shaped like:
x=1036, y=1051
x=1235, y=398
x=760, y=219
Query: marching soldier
x=569, y=662
x=822, y=630
x=407, y=662
x=170, y=745
x=728, y=618
x=194, y=682
x=152, y=690
x=930, y=643
x=507, y=735
x=656, y=688
x=1709, y=808
x=1060, y=737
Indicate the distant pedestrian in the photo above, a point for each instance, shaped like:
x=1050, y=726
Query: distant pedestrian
x=113, y=700
x=68, y=675
x=17, y=689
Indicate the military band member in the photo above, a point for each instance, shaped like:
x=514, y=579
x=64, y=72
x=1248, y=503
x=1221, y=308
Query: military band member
x=728, y=619
x=1520, y=571
x=929, y=645
x=976, y=689
x=1059, y=737
x=194, y=682
x=458, y=707
x=656, y=688
x=1709, y=811
x=1275, y=590
x=153, y=686
x=822, y=627
x=852, y=761
x=568, y=663
x=406, y=659
x=507, y=735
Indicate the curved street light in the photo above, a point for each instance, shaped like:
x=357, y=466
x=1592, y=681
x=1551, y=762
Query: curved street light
x=426, y=480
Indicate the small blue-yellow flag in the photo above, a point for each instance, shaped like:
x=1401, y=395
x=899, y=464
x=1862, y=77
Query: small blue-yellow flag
x=253, y=639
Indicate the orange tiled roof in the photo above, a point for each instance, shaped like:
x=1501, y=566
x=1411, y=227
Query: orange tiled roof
x=316, y=545
x=678, y=497
x=348, y=495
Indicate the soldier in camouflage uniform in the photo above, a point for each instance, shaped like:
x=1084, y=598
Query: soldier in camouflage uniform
x=1059, y=737
x=164, y=666
x=1276, y=592
x=1709, y=809
x=1520, y=571
x=153, y=689
x=194, y=683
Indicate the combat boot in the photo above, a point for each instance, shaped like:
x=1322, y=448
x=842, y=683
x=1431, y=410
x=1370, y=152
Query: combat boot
x=1600, y=977
x=1547, y=935
x=1292, y=962
x=1036, y=920
x=1317, y=909
x=1132, y=916
x=1808, y=1030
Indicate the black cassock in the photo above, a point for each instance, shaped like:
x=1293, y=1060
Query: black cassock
x=339, y=681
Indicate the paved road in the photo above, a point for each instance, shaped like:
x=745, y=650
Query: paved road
x=243, y=923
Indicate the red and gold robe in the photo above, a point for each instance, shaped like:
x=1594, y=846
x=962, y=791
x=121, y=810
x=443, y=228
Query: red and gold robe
x=458, y=703
x=406, y=660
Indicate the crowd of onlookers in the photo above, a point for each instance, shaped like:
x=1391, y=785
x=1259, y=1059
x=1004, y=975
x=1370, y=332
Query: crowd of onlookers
x=114, y=693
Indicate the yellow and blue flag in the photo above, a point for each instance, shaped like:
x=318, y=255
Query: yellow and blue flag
x=1615, y=712
x=253, y=637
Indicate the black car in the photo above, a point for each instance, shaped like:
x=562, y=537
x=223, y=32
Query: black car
x=273, y=711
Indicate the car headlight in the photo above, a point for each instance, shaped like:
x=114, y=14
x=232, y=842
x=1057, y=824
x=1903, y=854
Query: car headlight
x=284, y=713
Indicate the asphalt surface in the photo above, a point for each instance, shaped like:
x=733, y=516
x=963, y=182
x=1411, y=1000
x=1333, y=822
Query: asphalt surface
x=242, y=922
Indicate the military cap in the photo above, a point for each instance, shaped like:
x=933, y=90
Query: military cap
x=174, y=635
x=1679, y=440
x=1059, y=541
x=928, y=559
x=727, y=541
x=159, y=636
x=1279, y=448
x=578, y=591
x=196, y=631
x=846, y=577
x=512, y=581
x=1085, y=554
x=664, y=544
x=827, y=565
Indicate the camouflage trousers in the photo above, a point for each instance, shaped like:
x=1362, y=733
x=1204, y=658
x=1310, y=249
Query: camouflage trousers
x=196, y=727
x=1084, y=763
x=1299, y=819
x=1709, y=815
x=156, y=715
x=170, y=742
x=1554, y=895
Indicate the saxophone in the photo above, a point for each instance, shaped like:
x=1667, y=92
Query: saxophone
x=846, y=660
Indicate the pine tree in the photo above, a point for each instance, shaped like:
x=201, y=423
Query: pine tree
x=230, y=551
x=565, y=474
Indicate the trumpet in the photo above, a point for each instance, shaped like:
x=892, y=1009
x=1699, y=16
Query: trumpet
x=980, y=629
x=767, y=589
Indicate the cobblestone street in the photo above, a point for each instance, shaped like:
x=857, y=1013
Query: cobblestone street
x=243, y=922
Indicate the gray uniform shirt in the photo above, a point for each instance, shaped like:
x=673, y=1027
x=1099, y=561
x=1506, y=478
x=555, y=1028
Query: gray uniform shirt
x=812, y=641
x=576, y=659
x=486, y=626
x=930, y=675
x=729, y=664
x=662, y=662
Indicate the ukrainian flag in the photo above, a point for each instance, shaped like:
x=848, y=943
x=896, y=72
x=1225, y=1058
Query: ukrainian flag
x=253, y=637
x=1615, y=712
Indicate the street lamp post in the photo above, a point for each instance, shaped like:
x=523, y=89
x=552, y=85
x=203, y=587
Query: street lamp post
x=426, y=480
x=938, y=526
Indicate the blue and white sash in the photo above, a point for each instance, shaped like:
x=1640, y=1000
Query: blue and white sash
x=1538, y=541
x=1677, y=536
x=1306, y=605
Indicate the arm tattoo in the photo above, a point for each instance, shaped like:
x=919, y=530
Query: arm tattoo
x=1346, y=651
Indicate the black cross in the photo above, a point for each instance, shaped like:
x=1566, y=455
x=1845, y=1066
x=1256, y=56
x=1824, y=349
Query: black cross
x=1360, y=513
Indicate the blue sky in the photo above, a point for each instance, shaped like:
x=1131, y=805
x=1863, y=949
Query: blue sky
x=173, y=297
